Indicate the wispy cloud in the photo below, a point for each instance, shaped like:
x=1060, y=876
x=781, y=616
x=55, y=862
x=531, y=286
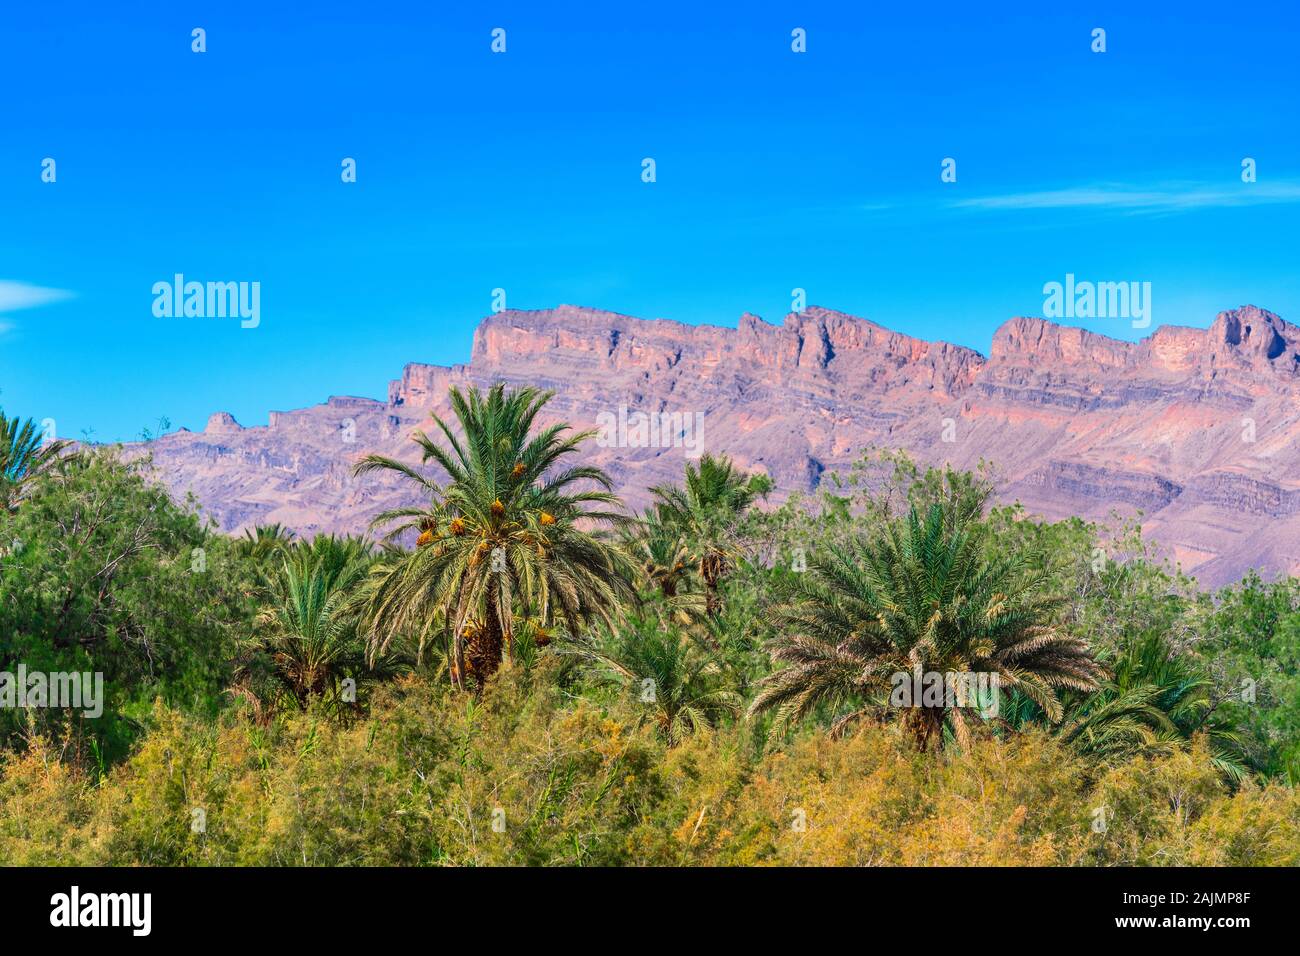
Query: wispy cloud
x=23, y=295
x=1176, y=197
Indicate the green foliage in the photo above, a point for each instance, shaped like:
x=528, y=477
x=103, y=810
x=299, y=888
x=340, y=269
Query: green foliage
x=1155, y=697
x=305, y=642
x=677, y=681
x=703, y=513
x=1252, y=645
x=24, y=454
x=264, y=543
x=1141, y=721
x=105, y=574
x=526, y=776
x=922, y=597
x=507, y=534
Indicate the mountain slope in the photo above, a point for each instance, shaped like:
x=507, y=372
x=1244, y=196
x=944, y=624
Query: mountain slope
x=1197, y=428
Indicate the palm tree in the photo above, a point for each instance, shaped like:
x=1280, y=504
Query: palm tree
x=674, y=677
x=508, y=534
x=24, y=454
x=1156, y=698
x=705, y=511
x=922, y=598
x=264, y=541
x=662, y=554
x=307, y=627
x=666, y=565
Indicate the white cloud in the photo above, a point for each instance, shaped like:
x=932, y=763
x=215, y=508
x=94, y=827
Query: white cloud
x=1178, y=197
x=22, y=295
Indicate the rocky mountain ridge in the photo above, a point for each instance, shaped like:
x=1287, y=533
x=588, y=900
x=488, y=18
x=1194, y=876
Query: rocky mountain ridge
x=1197, y=428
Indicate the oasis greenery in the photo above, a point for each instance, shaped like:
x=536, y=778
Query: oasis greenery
x=652, y=689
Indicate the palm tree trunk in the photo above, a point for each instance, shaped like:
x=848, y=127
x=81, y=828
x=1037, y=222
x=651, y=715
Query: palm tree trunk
x=457, y=657
x=924, y=723
x=485, y=648
x=711, y=571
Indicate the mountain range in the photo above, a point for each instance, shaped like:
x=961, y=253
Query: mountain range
x=1196, y=428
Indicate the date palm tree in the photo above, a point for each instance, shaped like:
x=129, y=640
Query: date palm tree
x=667, y=567
x=705, y=511
x=1155, y=698
x=662, y=554
x=676, y=680
x=24, y=454
x=511, y=534
x=264, y=542
x=306, y=630
x=924, y=598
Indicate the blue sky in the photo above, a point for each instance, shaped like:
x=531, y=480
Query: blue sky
x=775, y=170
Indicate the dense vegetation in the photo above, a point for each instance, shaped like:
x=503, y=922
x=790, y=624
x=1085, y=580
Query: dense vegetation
x=521, y=672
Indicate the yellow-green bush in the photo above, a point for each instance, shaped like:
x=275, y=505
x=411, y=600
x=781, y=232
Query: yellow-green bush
x=870, y=799
x=417, y=783
x=1258, y=827
x=44, y=808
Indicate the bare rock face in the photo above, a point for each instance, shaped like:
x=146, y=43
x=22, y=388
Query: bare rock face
x=221, y=423
x=1199, y=429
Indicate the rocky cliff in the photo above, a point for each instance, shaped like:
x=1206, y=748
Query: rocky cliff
x=1197, y=428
